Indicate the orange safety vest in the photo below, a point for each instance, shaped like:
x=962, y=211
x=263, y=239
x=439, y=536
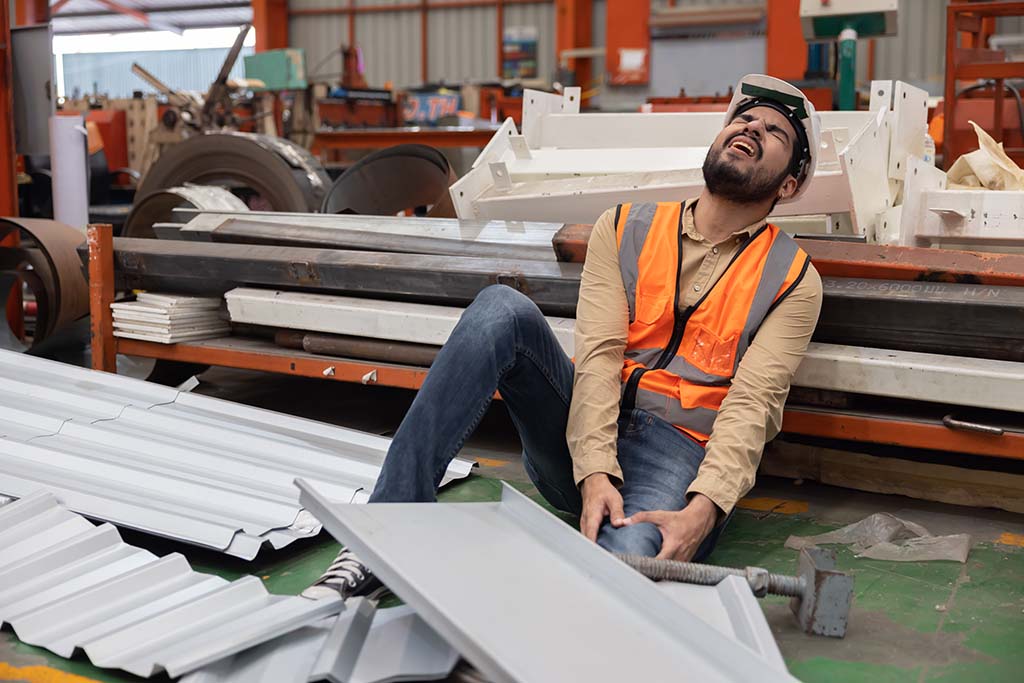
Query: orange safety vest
x=679, y=362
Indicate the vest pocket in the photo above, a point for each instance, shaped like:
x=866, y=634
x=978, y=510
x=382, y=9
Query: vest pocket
x=711, y=354
x=650, y=307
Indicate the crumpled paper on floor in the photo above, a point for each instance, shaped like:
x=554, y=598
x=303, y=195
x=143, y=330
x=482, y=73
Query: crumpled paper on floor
x=886, y=537
x=988, y=167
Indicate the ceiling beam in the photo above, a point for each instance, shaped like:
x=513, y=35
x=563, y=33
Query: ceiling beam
x=139, y=15
x=167, y=9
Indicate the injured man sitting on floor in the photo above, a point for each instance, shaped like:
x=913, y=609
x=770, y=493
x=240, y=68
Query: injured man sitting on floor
x=692, y=319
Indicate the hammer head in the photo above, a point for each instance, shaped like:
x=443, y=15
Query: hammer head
x=825, y=605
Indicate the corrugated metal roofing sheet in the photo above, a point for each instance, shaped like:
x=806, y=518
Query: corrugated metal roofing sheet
x=67, y=585
x=170, y=463
x=528, y=583
x=361, y=645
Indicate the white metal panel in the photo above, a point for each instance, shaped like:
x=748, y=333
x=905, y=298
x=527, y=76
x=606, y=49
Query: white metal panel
x=393, y=320
x=970, y=382
x=971, y=216
x=125, y=607
x=730, y=608
x=666, y=129
x=460, y=44
x=361, y=645
x=909, y=126
x=583, y=200
x=575, y=611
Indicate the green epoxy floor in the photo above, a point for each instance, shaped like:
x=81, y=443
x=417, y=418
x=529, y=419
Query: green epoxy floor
x=919, y=621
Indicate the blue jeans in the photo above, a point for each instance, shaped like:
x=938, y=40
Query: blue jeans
x=503, y=343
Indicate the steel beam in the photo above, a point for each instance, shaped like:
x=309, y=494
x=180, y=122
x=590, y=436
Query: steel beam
x=270, y=19
x=164, y=265
x=439, y=236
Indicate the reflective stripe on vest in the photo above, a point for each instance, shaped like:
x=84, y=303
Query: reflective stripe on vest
x=686, y=384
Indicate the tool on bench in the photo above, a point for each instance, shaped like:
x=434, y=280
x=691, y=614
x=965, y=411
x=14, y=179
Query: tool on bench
x=821, y=593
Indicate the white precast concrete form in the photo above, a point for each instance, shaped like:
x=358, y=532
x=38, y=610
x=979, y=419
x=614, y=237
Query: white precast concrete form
x=570, y=167
x=970, y=382
x=170, y=463
x=391, y=320
x=67, y=585
x=525, y=597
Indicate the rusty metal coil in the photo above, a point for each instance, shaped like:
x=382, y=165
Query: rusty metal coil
x=285, y=175
x=48, y=263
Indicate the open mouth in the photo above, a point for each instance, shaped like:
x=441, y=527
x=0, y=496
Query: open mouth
x=746, y=146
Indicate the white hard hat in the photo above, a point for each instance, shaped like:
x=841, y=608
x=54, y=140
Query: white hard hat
x=759, y=90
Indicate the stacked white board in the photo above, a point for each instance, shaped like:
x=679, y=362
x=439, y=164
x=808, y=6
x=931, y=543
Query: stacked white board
x=170, y=318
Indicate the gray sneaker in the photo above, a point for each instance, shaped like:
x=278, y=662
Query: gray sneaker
x=348, y=577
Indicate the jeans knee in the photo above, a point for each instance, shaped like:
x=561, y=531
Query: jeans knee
x=501, y=307
x=640, y=539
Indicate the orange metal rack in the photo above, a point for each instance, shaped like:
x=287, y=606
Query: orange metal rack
x=831, y=260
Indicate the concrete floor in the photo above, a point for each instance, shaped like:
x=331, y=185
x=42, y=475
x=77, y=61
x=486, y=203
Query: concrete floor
x=919, y=621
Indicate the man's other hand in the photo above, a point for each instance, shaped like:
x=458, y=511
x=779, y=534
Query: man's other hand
x=600, y=499
x=681, y=531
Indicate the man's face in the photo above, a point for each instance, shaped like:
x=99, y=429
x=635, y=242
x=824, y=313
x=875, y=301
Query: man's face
x=749, y=160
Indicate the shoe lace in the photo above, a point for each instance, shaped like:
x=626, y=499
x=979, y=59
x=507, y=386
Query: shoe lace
x=347, y=569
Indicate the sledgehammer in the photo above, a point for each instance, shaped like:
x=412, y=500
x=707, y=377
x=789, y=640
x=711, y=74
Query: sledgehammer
x=821, y=593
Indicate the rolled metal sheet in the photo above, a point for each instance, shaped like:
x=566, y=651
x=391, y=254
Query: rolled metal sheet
x=392, y=180
x=286, y=176
x=158, y=206
x=49, y=264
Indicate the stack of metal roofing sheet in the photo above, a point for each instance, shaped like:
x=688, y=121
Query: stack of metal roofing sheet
x=533, y=600
x=67, y=585
x=174, y=464
x=168, y=318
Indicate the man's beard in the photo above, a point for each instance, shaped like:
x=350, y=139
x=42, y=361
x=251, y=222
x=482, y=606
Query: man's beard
x=725, y=180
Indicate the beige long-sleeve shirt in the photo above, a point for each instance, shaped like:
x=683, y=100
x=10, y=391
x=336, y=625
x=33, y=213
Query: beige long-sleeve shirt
x=751, y=413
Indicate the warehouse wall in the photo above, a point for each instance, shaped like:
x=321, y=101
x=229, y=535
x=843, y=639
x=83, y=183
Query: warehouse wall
x=460, y=41
x=110, y=72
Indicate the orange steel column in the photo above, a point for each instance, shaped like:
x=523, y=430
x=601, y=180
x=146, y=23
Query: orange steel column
x=8, y=162
x=627, y=28
x=270, y=19
x=574, y=28
x=424, y=51
x=100, y=239
x=29, y=12
x=499, y=8
x=8, y=156
x=786, y=49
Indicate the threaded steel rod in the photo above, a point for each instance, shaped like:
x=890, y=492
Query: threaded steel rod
x=760, y=580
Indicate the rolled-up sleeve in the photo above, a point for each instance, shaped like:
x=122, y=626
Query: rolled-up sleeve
x=602, y=324
x=751, y=413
